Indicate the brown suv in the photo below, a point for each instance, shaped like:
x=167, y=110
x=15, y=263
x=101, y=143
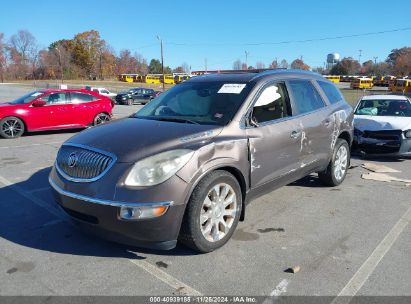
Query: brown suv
x=192, y=159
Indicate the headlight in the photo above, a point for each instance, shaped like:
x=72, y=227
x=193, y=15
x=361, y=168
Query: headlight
x=156, y=169
x=407, y=134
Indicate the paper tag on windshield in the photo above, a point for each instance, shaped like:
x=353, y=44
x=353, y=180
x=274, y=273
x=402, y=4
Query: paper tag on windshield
x=232, y=88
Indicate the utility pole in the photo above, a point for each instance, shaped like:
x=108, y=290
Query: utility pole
x=162, y=61
x=60, y=63
x=375, y=60
x=246, y=59
x=359, y=57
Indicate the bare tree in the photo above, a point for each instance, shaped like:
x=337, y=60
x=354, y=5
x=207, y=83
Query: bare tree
x=274, y=64
x=2, y=57
x=260, y=65
x=186, y=68
x=25, y=45
x=284, y=64
x=237, y=65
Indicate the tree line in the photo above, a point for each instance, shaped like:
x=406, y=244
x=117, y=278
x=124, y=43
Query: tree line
x=86, y=55
x=397, y=63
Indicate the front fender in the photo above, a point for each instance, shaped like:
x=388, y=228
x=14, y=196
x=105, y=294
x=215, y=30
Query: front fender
x=224, y=154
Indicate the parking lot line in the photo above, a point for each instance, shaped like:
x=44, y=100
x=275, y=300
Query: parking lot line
x=366, y=269
x=179, y=286
x=280, y=288
x=32, y=145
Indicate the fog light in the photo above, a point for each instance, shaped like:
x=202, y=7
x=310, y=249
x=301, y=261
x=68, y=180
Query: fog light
x=135, y=213
x=407, y=134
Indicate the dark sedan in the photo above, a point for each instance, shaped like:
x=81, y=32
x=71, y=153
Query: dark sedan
x=136, y=95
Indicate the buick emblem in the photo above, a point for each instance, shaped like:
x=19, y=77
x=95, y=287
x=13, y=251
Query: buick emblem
x=72, y=160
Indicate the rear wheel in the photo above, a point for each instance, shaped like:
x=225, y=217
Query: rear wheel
x=336, y=171
x=213, y=212
x=101, y=118
x=11, y=127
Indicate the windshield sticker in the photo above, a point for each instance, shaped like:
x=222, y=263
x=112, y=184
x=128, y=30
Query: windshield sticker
x=231, y=88
x=218, y=115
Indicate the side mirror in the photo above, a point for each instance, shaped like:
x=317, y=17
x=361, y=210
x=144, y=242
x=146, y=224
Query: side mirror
x=38, y=103
x=252, y=121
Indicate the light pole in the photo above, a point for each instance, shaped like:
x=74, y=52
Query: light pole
x=246, y=59
x=162, y=61
x=60, y=63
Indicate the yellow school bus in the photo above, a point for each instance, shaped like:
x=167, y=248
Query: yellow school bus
x=181, y=78
x=137, y=78
x=168, y=79
x=388, y=80
x=333, y=78
x=361, y=83
x=151, y=78
x=379, y=81
x=401, y=86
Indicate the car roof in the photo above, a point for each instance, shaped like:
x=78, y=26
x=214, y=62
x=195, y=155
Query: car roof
x=384, y=97
x=63, y=90
x=248, y=77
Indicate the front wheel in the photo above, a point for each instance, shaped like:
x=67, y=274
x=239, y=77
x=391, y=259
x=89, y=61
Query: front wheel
x=11, y=127
x=212, y=213
x=101, y=118
x=336, y=171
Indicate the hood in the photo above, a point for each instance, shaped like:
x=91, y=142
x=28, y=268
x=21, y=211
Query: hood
x=131, y=139
x=376, y=123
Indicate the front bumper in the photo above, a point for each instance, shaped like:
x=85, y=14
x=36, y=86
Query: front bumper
x=101, y=217
x=383, y=147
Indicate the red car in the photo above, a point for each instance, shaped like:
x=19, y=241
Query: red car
x=52, y=110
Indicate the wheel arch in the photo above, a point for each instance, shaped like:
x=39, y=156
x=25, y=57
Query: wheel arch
x=238, y=175
x=346, y=136
x=26, y=128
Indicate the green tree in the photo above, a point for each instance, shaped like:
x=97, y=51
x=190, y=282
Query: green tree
x=88, y=47
x=154, y=67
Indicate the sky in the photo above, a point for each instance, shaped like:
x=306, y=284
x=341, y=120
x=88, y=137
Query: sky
x=219, y=32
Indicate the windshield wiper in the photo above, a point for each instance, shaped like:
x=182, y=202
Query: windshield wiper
x=175, y=119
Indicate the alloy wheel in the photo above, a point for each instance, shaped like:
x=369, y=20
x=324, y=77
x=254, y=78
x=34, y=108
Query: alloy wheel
x=218, y=212
x=12, y=127
x=101, y=118
x=340, y=163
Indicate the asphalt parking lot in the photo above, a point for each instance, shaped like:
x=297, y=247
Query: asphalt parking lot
x=354, y=239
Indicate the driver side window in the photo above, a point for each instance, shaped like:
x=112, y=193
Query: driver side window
x=272, y=104
x=55, y=98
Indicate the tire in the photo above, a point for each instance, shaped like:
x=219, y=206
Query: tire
x=337, y=169
x=204, y=206
x=101, y=118
x=11, y=127
x=130, y=102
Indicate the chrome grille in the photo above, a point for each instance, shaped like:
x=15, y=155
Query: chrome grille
x=82, y=163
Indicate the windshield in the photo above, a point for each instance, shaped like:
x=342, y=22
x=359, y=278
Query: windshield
x=384, y=107
x=27, y=98
x=212, y=103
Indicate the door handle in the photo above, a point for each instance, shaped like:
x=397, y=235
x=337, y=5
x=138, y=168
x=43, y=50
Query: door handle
x=295, y=134
x=326, y=122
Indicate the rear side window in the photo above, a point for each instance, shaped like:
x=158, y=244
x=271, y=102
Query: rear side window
x=306, y=97
x=332, y=93
x=80, y=97
x=271, y=104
